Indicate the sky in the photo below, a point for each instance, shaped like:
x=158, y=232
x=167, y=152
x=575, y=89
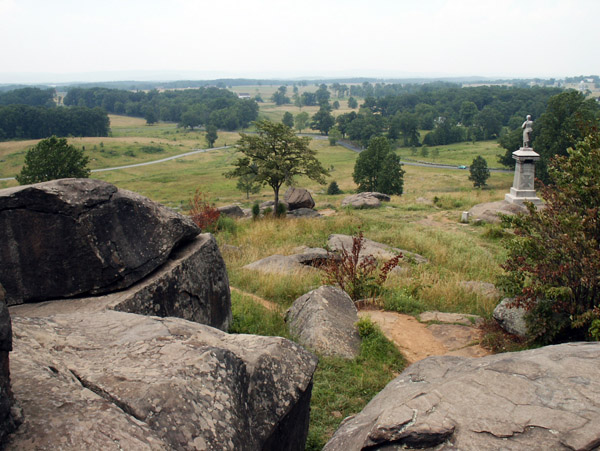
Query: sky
x=90, y=40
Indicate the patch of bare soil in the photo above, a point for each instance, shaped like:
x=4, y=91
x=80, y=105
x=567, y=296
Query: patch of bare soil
x=416, y=340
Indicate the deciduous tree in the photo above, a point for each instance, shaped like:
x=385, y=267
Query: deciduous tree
x=479, y=172
x=53, y=158
x=275, y=155
x=379, y=169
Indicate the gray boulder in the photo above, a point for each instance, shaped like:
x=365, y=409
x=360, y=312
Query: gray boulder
x=365, y=200
x=511, y=318
x=115, y=380
x=304, y=213
x=71, y=237
x=192, y=285
x=324, y=320
x=233, y=211
x=380, y=251
x=298, y=198
x=305, y=260
x=547, y=398
x=488, y=212
x=9, y=416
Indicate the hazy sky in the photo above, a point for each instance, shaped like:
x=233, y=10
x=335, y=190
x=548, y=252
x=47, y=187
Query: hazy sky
x=280, y=38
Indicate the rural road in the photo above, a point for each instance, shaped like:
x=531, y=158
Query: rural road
x=147, y=163
x=352, y=147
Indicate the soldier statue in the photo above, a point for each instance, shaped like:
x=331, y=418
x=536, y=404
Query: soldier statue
x=527, y=129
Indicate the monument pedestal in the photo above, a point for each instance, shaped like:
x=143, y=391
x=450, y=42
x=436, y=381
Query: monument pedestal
x=523, y=184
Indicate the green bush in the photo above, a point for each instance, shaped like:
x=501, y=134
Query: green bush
x=333, y=189
x=255, y=210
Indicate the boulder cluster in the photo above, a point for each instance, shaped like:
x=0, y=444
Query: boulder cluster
x=120, y=309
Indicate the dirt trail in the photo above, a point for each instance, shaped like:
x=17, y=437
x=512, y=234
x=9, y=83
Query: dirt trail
x=415, y=340
x=266, y=304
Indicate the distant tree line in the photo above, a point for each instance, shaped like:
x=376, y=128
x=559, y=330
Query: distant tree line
x=29, y=96
x=189, y=108
x=451, y=113
x=34, y=122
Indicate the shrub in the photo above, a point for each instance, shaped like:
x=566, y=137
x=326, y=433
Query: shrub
x=553, y=264
x=202, y=213
x=479, y=172
x=281, y=210
x=357, y=274
x=255, y=210
x=333, y=189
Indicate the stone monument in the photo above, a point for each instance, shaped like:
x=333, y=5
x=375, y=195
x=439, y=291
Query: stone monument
x=523, y=184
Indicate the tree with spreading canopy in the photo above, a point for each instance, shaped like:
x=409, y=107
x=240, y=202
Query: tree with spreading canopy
x=53, y=158
x=301, y=121
x=275, y=155
x=379, y=169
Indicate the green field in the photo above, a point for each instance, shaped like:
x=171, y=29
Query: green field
x=425, y=220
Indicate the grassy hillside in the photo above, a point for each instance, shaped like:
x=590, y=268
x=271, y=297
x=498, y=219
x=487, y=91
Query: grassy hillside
x=425, y=220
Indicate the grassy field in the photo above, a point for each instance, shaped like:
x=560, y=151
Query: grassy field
x=425, y=220
x=456, y=154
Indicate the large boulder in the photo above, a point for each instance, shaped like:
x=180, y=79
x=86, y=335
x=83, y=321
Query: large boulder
x=298, y=198
x=488, y=212
x=233, y=211
x=305, y=260
x=324, y=320
x=114, y=380
x=547, y=398
x=365, y=200
x=511, y=318
x=337, y=242
x=192, y=285
x=72, y=237
x=9, y=419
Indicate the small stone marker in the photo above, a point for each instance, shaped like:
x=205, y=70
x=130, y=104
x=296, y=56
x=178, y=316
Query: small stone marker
x=464, y=218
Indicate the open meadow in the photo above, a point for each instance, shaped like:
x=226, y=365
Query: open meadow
x=425, y=220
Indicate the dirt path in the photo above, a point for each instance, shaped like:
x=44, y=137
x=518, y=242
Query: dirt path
x=266, y=304
x=414, y=339
x=417, y=340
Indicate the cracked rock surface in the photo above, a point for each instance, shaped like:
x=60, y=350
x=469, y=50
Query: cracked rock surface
x=547, y=398
x=72, y=237
x=113, y=380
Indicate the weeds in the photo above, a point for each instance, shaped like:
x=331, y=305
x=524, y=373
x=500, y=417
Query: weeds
x=356, y=274
x=202, y=213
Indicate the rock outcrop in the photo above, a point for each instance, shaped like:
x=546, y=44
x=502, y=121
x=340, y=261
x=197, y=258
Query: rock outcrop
x=304, y=213
x=380, y=251
x=324, y=320
x=488, y=212
x=511, y=318
x=547, y=398
x=233, y=211
x=298, y=198
x=9, y=417
x=305, y=260
x=365, y=200
x=114, y=380
x=72, y=237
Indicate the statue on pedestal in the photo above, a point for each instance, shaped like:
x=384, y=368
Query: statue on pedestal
x=523, y=189
x=527, y=129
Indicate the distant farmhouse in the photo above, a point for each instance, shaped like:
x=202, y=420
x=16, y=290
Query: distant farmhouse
x=244, y=95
